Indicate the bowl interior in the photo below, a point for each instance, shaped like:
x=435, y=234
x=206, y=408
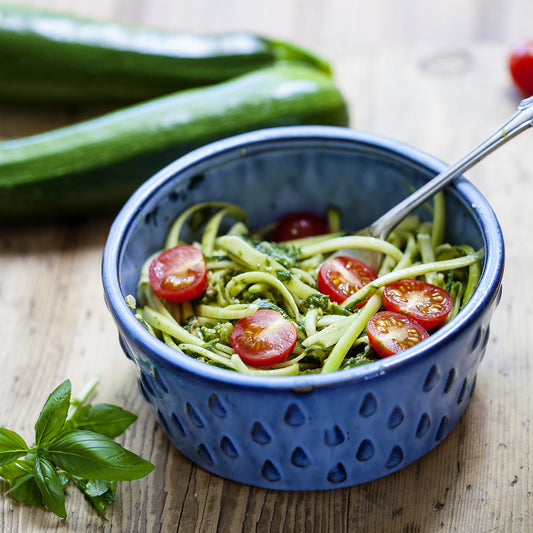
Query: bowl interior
x=277, y=177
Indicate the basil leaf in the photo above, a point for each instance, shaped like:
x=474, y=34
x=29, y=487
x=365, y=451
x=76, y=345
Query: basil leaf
x=100, y=492
x=53, y=414
x=12, y=446
x=25, y=490
x=109, y=420
x=105, y=499
x=89, y=455
x=15, y=469
x=50, y=486
x=94, y=487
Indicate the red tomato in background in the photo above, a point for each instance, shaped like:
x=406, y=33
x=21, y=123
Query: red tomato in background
x=521, y=67
x=342, y=276
x=390, y=333
x=428, y=304
x=178, y=274
x=264, y=338
x=299, y=225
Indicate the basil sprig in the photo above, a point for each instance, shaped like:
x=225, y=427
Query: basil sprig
x=73, y=442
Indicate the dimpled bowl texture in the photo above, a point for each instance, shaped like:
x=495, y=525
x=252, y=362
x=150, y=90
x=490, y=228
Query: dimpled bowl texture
x=320, y=431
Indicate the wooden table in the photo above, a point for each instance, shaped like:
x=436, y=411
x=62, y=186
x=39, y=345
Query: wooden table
x=440, y=86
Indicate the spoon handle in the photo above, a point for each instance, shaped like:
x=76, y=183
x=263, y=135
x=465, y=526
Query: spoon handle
x=520, y=121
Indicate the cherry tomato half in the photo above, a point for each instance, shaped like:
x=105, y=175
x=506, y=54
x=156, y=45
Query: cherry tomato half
x=521, y=67
x=264, y=338
x=390, y=333
x=299, y=225
x=178, y=274
x=428, y=304
x=342, y=276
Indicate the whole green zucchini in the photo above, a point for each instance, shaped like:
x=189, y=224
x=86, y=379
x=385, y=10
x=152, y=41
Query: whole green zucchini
x=94, y=165
x=53, y=58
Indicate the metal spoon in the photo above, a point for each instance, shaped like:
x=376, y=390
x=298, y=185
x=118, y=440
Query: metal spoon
x=381, y=227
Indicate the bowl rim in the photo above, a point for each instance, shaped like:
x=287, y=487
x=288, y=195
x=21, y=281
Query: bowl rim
x=125, y=320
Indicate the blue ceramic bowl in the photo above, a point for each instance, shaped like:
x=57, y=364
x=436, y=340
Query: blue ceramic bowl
x=315, y=431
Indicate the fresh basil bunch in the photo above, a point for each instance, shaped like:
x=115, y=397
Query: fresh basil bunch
x=73, y=441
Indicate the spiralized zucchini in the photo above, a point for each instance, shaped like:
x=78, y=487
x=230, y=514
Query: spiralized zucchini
x=247, y=272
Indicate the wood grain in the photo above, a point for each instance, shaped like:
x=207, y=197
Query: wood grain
x=431, y=75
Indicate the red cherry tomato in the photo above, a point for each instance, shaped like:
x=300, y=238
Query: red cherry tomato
x=299, y=225
x=178, y=274
x=264, y=338
x=521, y=67
x=390, y=333
x=342, y=276
x=428, y=304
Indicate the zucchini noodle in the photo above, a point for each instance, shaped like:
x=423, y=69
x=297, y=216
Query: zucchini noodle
x=247, y=272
